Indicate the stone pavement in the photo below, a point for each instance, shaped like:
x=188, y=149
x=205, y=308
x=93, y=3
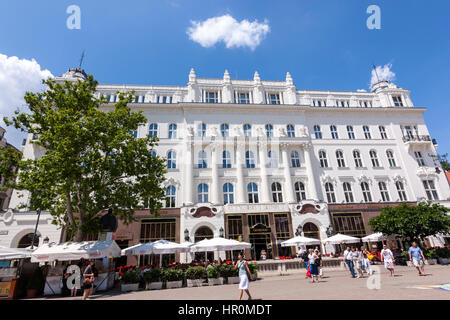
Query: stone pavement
x=335, y=285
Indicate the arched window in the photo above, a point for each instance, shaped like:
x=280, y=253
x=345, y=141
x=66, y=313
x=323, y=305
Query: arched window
x=171, y=197
x=350, y=132
x=250, y=159
x=26, y=240
x=272, y=157
x=295, y=159
x=247, y=130
x=153, y=130
x=290, y=131
x=228, y=193
x=201, y=130
x=269, y=130
x=202, y=160
x=329, y=191
x=401, y=191
x=348, y=192
x=300, y=192
x=357, y=157
x=310, y=230
x=383, y=133
x=277, y=193
x=374, y=159
x=391, y=159
x=367, y=132
x=317, y=132
x=172, y=131
x=225, y=129
x=384, y=191
x=323, y=159
x=203, y=233
x=340, y=159
x=366, y=192
x=202, y=193
x=172, y=160
x=226, y=159
x=252, y=190
x=334, y=133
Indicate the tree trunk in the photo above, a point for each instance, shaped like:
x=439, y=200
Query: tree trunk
x=80, y=236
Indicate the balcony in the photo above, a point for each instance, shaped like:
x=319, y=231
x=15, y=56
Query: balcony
x=417, y=140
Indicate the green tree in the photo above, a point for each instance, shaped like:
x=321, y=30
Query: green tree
x=413, y=222
x=444, y=162
x=90, y=159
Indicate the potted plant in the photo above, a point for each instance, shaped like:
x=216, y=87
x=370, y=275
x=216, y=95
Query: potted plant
x=153, y=279
x=130, y=280
x=253, y=267
x=214, y=278
x=443, y=255
x=36, y=283
x=194, y=276
x=173, y=278
x=430, y=256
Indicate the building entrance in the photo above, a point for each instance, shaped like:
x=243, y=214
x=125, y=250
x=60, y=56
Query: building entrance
x=260, y=243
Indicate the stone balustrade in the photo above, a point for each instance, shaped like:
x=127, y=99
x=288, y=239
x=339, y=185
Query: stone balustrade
x=292, y=266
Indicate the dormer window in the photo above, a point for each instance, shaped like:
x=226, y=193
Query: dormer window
x=397, y=101
x=274, y=98
x=212, y=97
x=243, y=98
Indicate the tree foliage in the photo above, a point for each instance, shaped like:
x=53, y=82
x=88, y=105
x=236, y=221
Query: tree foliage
x=90, y=160
x=413, y=222
x=444, y=162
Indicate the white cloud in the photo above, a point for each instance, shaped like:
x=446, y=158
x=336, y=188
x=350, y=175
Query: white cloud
x=382, y=73
x=16, y=77
x=228, y=30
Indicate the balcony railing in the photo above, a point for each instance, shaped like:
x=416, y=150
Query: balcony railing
x=416, y=138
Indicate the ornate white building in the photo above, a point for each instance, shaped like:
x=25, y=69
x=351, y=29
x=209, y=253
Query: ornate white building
x=263, y=161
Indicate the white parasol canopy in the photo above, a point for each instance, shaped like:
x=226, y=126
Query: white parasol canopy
x=157, y=247
x=219, y=244
x=374, y=237
x=125, y=251
x=341, y=238
x=76, y=250
x=299, y=241
x=14, y=253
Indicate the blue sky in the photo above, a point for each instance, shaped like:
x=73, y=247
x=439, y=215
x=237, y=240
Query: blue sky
x=323, y=44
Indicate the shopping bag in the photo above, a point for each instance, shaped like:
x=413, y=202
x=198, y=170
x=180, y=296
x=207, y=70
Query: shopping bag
x=308, y=273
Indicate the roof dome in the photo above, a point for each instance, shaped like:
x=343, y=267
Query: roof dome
x=75, y=74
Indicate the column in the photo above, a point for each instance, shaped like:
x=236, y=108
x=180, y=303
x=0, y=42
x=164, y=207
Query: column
x=189, y=173
x=264, y=187
x=289, y=192
x=240, y=188
x=215, y=199
x=309, y=170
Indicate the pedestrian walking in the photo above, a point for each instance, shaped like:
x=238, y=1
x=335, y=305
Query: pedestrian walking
x=312, y=264
x=88, y=283
x=387, y=257
x=348, y=256
x=319, y=263
x=244, y=274
x=356, y=256
x=365, y=260
x=417, y=258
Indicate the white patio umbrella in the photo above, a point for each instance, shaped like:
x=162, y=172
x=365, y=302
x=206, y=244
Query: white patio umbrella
x=374, y=237
x=14, y=253
x=341, y=238
x=219, y=244
x=158, y=247
x=300, y=241
x=187, y=245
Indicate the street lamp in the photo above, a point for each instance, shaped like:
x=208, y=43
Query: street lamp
x=186, y=235
x=330, y=231
x=46, y=240
x=299, y=231
x=221, y=232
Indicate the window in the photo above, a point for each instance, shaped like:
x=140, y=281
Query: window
x=172, y=160
x=340, y=159
x=247, y=130
x=391, y=159
x=367, y=132
x=202, y=193
x=228, y=193
x=252, y=190
x=430, y=190
x=295, y=159
x=348, y=193
x=300, y=192
x=225, y=129
x=383, y=132
x=202, y=160
x=201, y=130
x=343, y=103
x=277, y=194
x=366, y=192
x=317, y=132
x=269, y=130
x=384, y=191
x=134, y=133
x=156, y=229
x=172, y=131
x=243, y=97
x=136, y=99
x=357, y=157
x=153, y=130
x=351, y=133
x=273, y=159
x=419, y=158
x=212, y=97
x=374, y=159
x=329, y=190
x=274, y=98
x=323, y=159
x=350, y=224
x=250, y=159
x=334, y=133
x=171, y=197
x=153, y=153
x=290, y=131
x=226, y=159
x=401, y=191
x=397, y=101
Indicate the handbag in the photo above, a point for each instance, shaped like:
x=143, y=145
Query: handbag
x=308, y=273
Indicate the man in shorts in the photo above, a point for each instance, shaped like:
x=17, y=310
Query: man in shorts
x=417, y=258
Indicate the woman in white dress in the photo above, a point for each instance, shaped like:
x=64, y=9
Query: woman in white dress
x=388, y=258
x=244, y=272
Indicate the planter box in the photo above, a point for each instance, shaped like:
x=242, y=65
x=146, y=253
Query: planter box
x=194, y=282
x=215, y=281
x=233, y=280
x=125, y=287
x=444, y=260
x=154, y=285
x=430, y=261
x=174, y=284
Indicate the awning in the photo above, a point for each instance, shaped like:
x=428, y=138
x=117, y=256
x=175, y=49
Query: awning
x=299, y=241
x=14, y=253
x=341, y=238
x=157, y=247
x=219, y=244
x=374, y=237
x=76, y=250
